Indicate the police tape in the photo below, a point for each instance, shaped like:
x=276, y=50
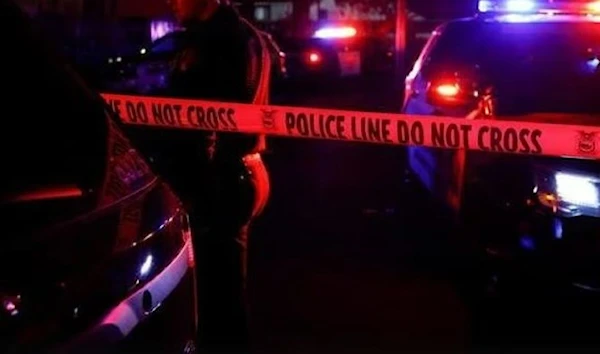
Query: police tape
x=490, y=135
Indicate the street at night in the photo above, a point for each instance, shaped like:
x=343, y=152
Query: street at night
x=356, y=259
x=429, y=181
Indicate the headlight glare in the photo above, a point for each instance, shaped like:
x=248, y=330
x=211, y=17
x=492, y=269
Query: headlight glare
x=577, y=189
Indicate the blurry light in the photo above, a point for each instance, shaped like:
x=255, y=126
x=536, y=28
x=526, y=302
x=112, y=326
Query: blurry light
x=594, y=6
x=520, y=5
x=159, y=29
x=314, y=57
x=592, y=65
x=517, y=18
x=110, y=60
x=9, y=306
x=558, y=229
x=119, y=59
x=527, y=242
x=335, y=32
x=576, y=189
x=146, y=266
x=143, y=51
x=485, y=5
x=447, y=90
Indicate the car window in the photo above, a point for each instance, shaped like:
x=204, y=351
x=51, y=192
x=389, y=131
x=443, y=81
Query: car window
x=532, y=66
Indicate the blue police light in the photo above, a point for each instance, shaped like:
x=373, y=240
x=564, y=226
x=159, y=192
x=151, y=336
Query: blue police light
x=520, y=5
x=516, y=7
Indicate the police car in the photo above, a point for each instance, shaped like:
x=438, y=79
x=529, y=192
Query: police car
x=337, y=50
x=517, y=60
x=96, y=249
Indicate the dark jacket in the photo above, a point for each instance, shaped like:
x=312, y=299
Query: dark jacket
x=220, y=61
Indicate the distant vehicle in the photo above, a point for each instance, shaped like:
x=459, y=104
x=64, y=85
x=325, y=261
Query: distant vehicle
x=97, y=253
x=148, y=70
x=338, y=50
x=528, y=217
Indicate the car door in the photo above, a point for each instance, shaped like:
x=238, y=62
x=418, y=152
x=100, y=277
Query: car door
x=87, y=228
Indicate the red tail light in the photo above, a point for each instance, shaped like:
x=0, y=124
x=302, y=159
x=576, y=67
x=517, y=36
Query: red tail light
x=452, y=92
x=313, y=57
x=448, y=91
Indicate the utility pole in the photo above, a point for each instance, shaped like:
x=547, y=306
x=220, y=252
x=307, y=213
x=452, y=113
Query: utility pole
x=400, y=43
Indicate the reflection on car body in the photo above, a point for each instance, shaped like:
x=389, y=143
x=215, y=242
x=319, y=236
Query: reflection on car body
x=97, y=251
x=515, y=208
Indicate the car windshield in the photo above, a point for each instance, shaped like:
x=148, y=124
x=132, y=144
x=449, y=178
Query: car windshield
x=533, y=67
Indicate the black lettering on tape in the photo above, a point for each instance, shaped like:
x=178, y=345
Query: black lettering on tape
x=437, y=135
x=290, y=122
x=201, y=114
x=157, y=113
x=536, y=134
x=385, y=130
x=417, y=133
x=169, y=114
x=312, y=126
x=370, y=129
x=302, y=124
x=340, y=127
x=481, y=138
x=140, y=111
x=115, y=106
x=404, y=132
x=212, y=118
x=221, y=114
x=192, y=116
x=231, y=119
x=496, y=140
x=177, y=109
x=166, y=114
x=131, y=112
x=465, y=129
x=511, y=140
x=353, y=129
x=328, y=126
x=524, y=141
x=452, y=136
x=374, y=132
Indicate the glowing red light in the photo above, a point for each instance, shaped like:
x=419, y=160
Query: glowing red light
x=447, y=90
x=314, y=57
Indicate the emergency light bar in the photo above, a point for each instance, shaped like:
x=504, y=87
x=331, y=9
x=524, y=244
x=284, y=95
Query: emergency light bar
x=588, y=7
x=335, y=32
